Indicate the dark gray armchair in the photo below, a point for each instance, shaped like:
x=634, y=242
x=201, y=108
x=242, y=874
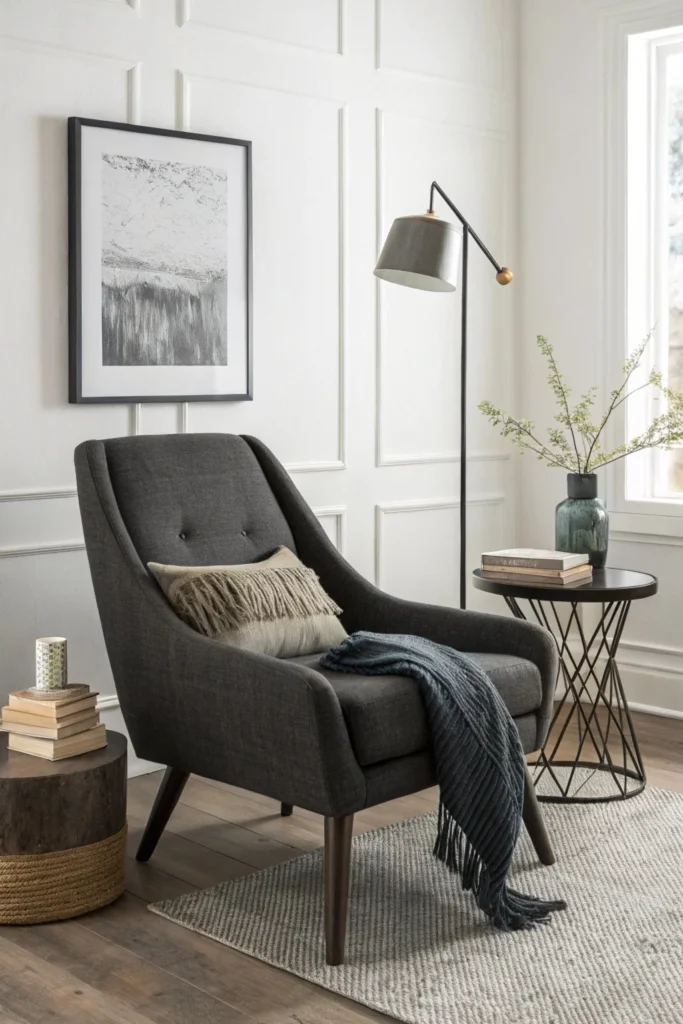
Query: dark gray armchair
x=328, y=742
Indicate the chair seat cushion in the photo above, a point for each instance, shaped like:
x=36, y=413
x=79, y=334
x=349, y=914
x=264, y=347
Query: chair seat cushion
x=385, y=715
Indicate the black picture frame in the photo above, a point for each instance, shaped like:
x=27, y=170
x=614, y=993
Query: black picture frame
x=75, y=236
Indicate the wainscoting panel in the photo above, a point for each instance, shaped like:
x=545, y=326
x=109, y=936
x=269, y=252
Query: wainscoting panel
x=309, y=24
x=49, y=593
x=30, y=521
x=457, y=40
x=355, y=386
x=417, y=549
x=40, y=87
x=333, y=522
x=421, y=330
x=298, y=268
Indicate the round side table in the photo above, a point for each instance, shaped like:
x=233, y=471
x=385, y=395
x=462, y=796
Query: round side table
x=593, y=695
x=62, y=832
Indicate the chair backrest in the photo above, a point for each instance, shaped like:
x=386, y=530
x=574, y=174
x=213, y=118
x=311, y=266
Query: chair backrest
x=195, y=499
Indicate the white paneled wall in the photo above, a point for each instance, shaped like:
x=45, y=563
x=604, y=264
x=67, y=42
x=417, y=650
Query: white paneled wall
x=353, y=107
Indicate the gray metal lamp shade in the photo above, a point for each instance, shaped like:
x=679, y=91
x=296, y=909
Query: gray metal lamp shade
x=421, y=251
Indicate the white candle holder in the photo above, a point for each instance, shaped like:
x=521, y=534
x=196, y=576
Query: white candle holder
x=51, y=665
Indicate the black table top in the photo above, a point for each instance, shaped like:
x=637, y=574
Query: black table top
x=606, y=585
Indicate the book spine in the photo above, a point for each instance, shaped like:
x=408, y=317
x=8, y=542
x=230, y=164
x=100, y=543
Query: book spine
x=552, y=581
x=524, y=563
x=552, y=573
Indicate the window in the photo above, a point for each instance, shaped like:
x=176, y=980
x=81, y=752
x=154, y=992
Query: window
x=671, y=465
x=655, y=251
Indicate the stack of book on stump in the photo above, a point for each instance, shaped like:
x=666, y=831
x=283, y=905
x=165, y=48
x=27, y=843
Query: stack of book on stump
x=536, y=568
x=53, y=729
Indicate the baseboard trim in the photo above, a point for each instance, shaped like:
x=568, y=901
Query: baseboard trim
x=106, y=703
x=649, y=709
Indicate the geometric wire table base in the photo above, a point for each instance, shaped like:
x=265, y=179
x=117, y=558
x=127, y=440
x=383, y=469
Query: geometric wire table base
x=605, y=748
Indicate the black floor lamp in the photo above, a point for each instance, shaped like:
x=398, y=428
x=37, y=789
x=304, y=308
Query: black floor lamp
x=422, y=251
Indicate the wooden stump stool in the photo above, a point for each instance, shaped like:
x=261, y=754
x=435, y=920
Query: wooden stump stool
x=62, y=832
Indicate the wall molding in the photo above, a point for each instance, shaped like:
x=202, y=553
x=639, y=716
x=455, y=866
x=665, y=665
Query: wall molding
x=107, y=703
x=49, y=493
x=134, y=85
x=651, y=657
x=430, y=459
x=459, y=83
x=314, y=467
x=633, y=537
x=337, y=512
x=652, y=675
x=184, y=83
x=42, y=549
x=650, y=709
x=134, y=5
x=430, y=505
x=61, y=547
x=184, y=17
x=421, y=458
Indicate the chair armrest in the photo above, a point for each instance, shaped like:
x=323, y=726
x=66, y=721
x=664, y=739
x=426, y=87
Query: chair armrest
x=475, y=632
x=258, y=722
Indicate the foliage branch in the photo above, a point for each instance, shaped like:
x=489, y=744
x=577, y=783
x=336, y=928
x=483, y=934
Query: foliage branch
x=576, y=443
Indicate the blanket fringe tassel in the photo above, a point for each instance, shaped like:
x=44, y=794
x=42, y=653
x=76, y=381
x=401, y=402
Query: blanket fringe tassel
x=507, y=909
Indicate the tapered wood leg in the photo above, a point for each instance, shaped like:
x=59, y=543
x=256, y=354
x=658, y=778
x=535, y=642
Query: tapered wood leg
x=286, y=810
x=535, y=825
x=167, y=797
x=338, y=833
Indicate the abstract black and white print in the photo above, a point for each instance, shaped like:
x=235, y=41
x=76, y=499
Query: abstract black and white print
x=164, y=263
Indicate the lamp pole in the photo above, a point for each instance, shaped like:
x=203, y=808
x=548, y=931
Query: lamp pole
x=463, y=419
x=421, y=252
x=503, y=276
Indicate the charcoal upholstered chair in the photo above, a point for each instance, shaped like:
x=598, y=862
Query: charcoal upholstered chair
x=331, y=743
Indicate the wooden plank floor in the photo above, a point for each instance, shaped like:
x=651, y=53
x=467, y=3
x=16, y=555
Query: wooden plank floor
x=126, y=966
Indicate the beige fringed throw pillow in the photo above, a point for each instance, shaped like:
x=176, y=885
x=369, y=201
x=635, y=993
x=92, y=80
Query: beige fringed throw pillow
x=275, y=607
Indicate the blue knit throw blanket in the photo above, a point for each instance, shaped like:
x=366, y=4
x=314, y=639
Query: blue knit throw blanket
x=479, y=765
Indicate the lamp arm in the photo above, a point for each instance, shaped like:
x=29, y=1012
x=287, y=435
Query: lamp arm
x=435, y=187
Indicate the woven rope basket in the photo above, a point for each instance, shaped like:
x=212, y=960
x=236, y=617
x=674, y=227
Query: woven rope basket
x=41, y=887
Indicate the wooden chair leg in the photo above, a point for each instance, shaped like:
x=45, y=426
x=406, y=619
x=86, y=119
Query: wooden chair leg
x=338, y=834
x=535, y=825
x=167, y=797
x=286, y=810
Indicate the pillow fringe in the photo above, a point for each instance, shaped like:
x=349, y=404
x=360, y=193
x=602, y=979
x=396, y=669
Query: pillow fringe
x=216, y=602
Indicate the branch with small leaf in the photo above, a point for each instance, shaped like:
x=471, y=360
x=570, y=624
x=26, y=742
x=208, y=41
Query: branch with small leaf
x=575, y=444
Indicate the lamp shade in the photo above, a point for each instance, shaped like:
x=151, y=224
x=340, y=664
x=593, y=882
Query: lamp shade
x=421, y=251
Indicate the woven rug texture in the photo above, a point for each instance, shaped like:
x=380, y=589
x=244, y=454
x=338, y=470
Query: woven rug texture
x=419, y=950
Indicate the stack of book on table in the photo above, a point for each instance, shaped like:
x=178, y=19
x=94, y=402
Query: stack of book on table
x=536, y=567
x=53, y=729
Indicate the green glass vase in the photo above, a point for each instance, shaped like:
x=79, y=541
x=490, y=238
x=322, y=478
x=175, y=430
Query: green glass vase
x=581, y=520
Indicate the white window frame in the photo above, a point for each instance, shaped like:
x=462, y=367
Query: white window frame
x=637, y=46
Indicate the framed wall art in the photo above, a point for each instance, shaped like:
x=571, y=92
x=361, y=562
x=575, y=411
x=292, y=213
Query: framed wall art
x=159, y=265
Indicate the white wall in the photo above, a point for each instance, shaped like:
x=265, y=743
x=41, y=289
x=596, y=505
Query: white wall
x=353, y=107
x=564, y=290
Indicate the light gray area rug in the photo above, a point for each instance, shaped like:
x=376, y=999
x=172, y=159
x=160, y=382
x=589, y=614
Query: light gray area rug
x=419, y=950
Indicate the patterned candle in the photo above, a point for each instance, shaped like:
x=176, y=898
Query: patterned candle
x=51, y=671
